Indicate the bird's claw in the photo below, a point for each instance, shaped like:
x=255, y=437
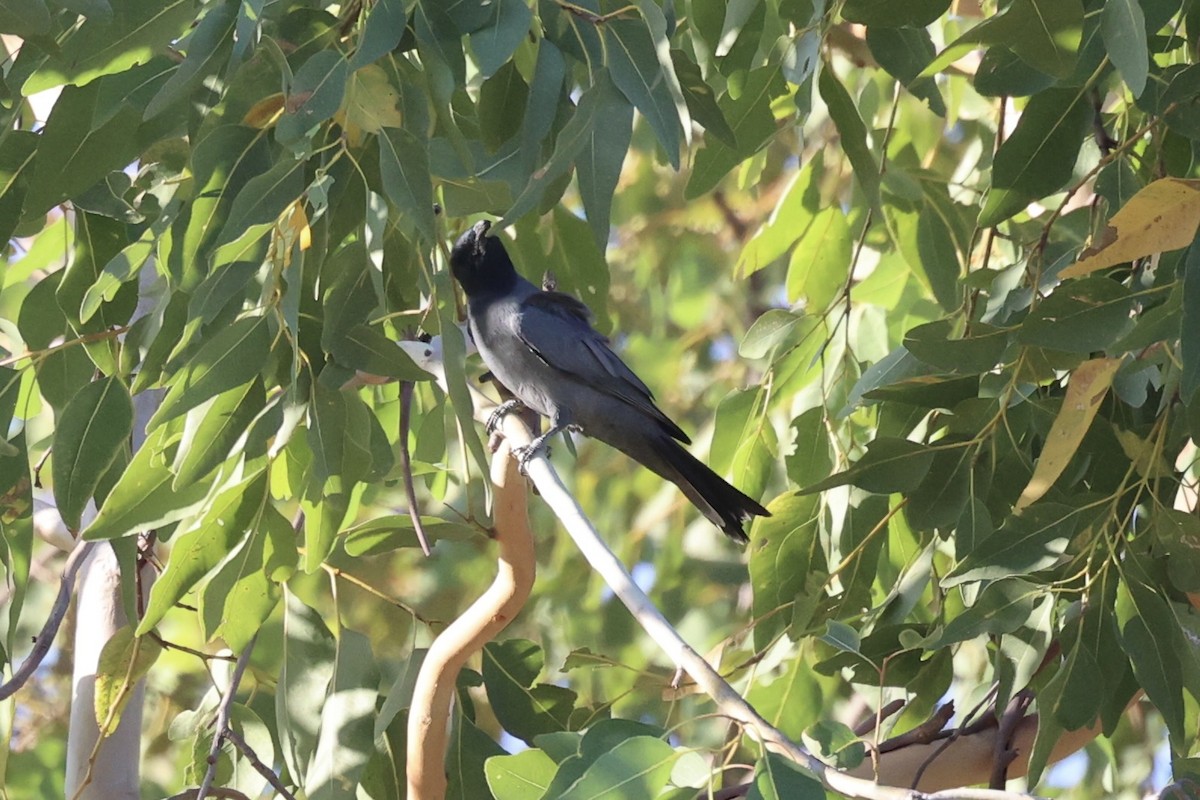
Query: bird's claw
x=501, y=411
x=527, y=453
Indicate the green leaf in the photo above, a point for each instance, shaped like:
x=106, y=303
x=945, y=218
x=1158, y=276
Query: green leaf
x=599, y=165
x=701, y=102
x=365, y=348
x=90, y=433
x=792, y=700
x=882, y=13
x=786, y=559
x=222, y=163
x=314, y=96
x=382, y=33
x=1039, y=157
x=345, y=741
x=1123, y=26
x=143, y=497
x=124, y=661
x=779, y=778
x=137, y=32
x=338, y=436
x=198, y=550
x=502, y=101
x=1002, y=607
x=517, y=777
x=1001, y=72
x=17, y=151
x=812, y=459
x=243, y=592
x=945, y=491
x=231, y=358
x=494, y=44
x=904, y=52
x=1080, y=316
x=264, y=198
x=820, y=262
x=24, y=17
x=1077, y=702
x=524, y=709
x=636, y=769
x=768, y=332
x=1032, y=541
x=393, y=531
x=404, y=167
x=1189, y=338
x=977, y=352
x=305, y=674
x=570, y=143
x=637, y=71
x=212, y=429
x=749, y=114
x=1148, y=630
x=1045, y=34
x=889, y=465
x=469, y=751
x=207, y=48
x=853, y=133
x=81, y=143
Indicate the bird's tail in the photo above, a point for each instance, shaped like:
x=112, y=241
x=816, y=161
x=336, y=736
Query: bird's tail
x=721, y=503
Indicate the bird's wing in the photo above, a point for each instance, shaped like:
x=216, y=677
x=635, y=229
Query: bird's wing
x=557, y=328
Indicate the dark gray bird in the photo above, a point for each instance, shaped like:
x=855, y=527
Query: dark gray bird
x=541, y=346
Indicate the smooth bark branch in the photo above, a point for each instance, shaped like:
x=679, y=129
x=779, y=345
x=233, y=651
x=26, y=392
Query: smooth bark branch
x=429, y=714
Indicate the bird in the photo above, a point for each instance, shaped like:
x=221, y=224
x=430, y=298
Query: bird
x=541, y=346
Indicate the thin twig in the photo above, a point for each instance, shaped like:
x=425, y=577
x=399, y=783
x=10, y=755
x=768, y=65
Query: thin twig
x=927, y=731
x=1004, y=753
x=875, y=720
x=169, y=645
x=222, y=727
x=44, y=640
x=246, y=750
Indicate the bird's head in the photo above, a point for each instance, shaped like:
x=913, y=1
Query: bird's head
x=480, y=263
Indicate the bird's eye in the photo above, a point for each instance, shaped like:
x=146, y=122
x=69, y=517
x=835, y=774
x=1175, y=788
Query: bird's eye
x=428, y=353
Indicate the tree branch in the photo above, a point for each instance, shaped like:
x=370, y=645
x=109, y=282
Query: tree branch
x=488, y=615
x=222, y=726
x=45, y=639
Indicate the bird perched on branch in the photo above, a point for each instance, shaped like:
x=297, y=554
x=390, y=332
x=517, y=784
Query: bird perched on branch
x=542, y=347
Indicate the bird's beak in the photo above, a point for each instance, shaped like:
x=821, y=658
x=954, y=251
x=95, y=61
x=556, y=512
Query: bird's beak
x=481, y=228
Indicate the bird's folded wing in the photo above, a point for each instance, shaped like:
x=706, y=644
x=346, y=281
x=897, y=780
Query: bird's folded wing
x=557, y=328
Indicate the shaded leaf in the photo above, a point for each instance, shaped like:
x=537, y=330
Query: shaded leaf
x=90, y=433
x=1023, y=544
x=1039, y=156
x=230, y=359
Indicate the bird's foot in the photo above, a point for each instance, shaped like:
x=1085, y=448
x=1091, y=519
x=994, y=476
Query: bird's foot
x=501, y=411
x=525, y=454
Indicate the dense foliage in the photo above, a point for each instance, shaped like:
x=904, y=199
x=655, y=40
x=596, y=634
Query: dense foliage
x=844, y=243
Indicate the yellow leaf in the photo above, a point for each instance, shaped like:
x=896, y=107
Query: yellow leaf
x=371, y=101
x=1089, y=383
x=1162, y=216
x=265, y=112
x=1147, y=460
